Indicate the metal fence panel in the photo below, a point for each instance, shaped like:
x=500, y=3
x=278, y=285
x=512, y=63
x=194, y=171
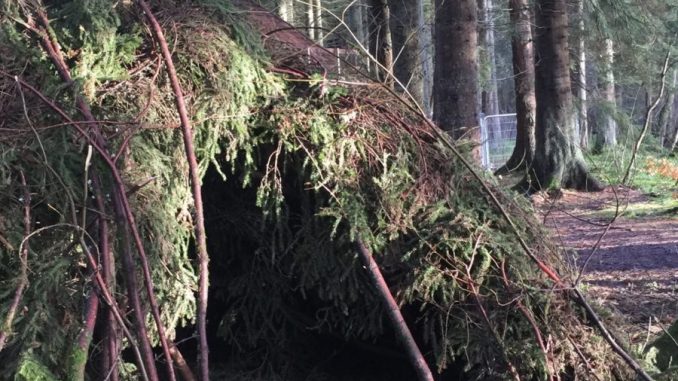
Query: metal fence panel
x=498, y=138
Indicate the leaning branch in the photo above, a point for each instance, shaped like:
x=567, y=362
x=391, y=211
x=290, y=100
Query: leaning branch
x=199, y=225
x=402, y=331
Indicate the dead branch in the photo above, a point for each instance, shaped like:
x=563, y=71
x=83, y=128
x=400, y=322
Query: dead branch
x=52, y=49
x=402, y=331
x=199, y=225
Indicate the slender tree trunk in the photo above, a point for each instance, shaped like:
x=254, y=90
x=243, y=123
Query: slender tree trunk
x=667, y=112
x=425, y=50
x=310, y=19
x=490, y=97
x=319, y=33
x=381, y=40
x=286, y=10
x=456, y=70
x=558, y=158
x=407, y=61
x=609, y=125
x=583, y=106
x=523, y=71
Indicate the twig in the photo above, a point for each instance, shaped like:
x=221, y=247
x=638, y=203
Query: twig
x=402, y=331
x=23, y=259
x=199, y=224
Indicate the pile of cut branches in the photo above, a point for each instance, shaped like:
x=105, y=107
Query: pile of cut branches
x=97, y=213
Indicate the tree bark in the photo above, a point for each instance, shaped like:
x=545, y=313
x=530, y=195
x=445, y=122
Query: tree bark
x=425, y=50
x=666, y=115
x=381, y=44
x=286, y=10
x=402, y=331
x=558, y=158
x=310, y=19
x=608, y=135
x=319, y=33
x=407, y=61
x=583, y=106
x=523, y=71
x=490, y=96
x=455, y=75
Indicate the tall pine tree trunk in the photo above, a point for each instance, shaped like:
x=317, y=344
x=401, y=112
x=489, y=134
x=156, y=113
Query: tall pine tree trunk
x=456, y=70
x=426, y=50
x=558, y=158
x=523, y=71
x=407, y=61
x=310, y=18
x=608, y=134
x=583, y=106
x=319, y=33
x=490, y=98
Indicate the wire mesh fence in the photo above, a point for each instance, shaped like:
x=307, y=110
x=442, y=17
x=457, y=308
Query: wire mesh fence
x=498, y=137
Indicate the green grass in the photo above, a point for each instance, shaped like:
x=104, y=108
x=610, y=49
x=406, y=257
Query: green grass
x=661, y=190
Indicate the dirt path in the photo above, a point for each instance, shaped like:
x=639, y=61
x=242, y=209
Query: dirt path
x=635, y=269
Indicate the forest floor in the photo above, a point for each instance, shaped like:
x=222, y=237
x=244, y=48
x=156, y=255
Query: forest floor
x=634, y=271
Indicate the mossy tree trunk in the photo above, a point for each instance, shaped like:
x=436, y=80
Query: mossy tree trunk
x=523, y=71
x=558, y=159
x=455, y=74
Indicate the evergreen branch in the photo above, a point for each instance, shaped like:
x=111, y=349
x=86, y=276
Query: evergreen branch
x=23, y=258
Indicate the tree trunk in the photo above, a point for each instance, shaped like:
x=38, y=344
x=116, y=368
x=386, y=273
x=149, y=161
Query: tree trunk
x=425, y=50
x=286, y=10
x=381, y=44
x=319, y=33
x=667, y=112
x=583, y=106
x=407, y=61
x=310, y=18
x=609, y=125
x=491, y=99
x=455, y=75
x=558, y=158
x=526, y=104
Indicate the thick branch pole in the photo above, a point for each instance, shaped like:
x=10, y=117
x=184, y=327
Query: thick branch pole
x=110, y=346
x=394, y=314
x=199, y=225
x=6, y=328
x=98, y=142
x=648, y=119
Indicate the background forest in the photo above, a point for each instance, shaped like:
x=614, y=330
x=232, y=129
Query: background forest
x=305, y=189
